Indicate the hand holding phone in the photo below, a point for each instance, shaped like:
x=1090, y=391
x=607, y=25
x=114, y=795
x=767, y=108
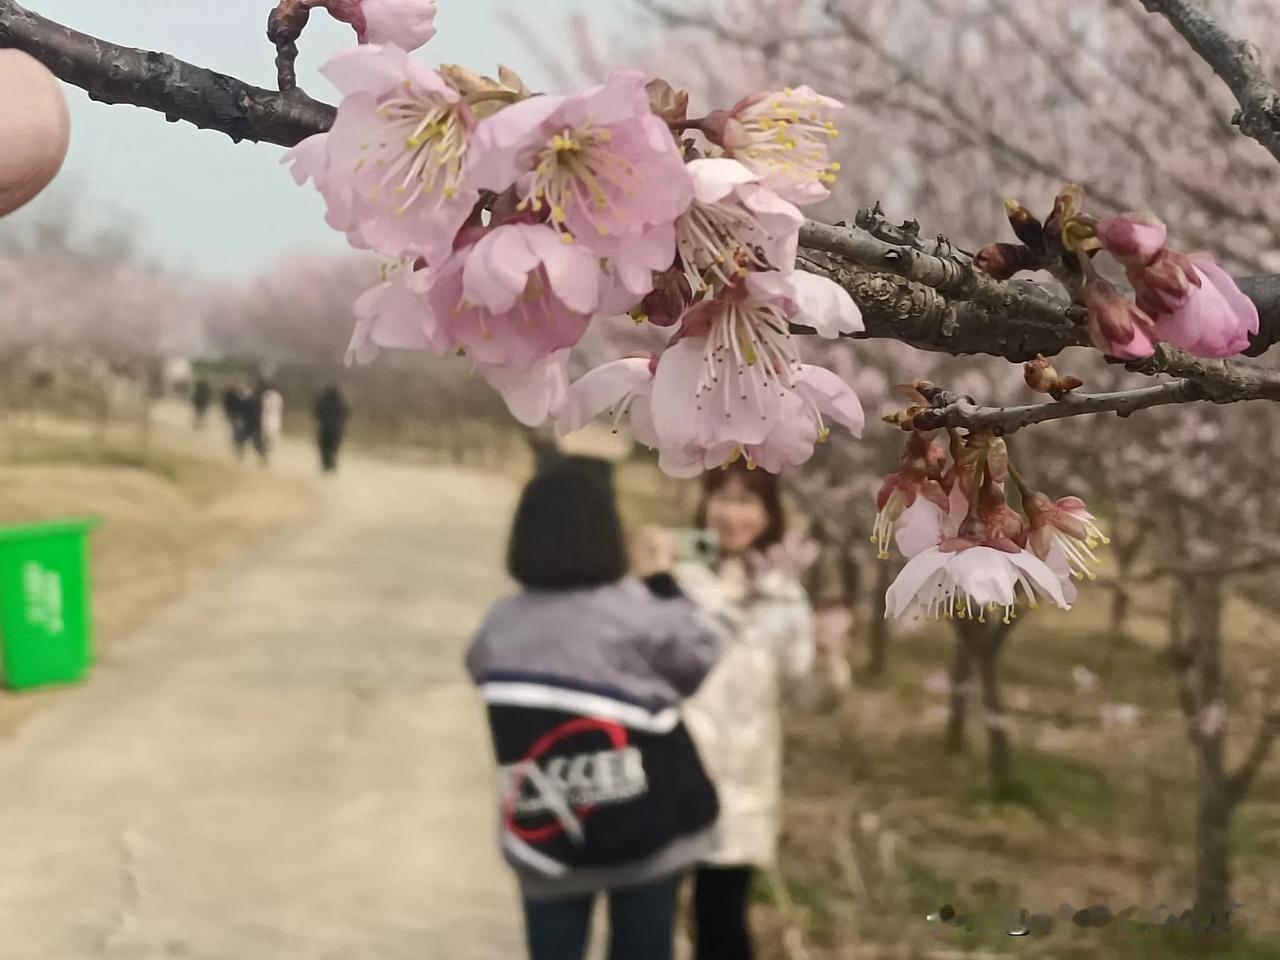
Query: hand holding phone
x=697, y=546
x=653, y=551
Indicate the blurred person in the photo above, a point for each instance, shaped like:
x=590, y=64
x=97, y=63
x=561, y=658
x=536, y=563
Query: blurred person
x=600, y=787
x=234, y=398
x=201, y=400
x=251, y=412
x=331, y=412
x=272, y=417
x=772, y=656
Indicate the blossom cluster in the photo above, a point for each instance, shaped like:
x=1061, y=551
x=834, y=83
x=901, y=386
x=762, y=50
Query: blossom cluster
x=511, y=222
x=1186, y=300
x=969, y=552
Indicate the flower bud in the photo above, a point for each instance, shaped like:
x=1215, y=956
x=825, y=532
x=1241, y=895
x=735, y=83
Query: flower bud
x=1133, y=239
x=1003, y=260
x=1025, y=226
x=1042, y=377
x=668, y=103
x=1166, y=283
x=1117, y=326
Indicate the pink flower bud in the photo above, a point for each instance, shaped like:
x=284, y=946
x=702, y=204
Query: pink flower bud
x=1117, y=326
x=1133, y=239
x=35, y=128
x=1196, y=305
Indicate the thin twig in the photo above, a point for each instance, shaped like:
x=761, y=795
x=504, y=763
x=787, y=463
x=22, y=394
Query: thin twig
x=959, y=412
x=1235, y=62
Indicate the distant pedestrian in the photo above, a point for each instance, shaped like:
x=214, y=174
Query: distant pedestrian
x=252, y=416
x=331, y=413
x=201, y=400
x=234, y=399
x=272, y=417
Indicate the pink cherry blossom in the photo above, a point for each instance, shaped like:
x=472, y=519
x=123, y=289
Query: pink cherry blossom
x=912, y=499
x=406, y=23
x=393, y=170
x=1133, y=239
x=1192, y=302
x=1117, y=326
x=1065, y=528
x=515, y=295
x=599, y=165
x=620, y=390
x=818, y=396
x=393, y=315
x=963, y=577
x=733, y=217
x=785, y=137
x=533, y=394
x=1196, y=305
x=35, y=128
x=733, y=379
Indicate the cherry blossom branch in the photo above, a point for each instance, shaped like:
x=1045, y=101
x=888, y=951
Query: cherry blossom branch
x=933, y=299
x=112, y=73
x=960, y=412
x=1235, y=62
x=1216, y=381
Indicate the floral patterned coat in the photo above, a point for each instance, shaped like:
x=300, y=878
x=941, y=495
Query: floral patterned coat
x=769, y=658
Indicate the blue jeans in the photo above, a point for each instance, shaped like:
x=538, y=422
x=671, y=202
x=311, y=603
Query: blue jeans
x=642, y=923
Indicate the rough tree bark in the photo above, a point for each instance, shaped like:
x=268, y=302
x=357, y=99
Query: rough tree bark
x=1198, y=658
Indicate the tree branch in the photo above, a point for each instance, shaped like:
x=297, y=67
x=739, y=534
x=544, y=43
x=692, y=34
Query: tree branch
x=115, y=74
x=953, y=411
x=1238, y=783
x=1235, y=62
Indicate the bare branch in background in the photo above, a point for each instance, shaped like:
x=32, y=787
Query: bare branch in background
x=1236, y=62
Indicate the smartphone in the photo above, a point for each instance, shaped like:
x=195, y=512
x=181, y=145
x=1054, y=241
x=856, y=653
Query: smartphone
x=697, y=546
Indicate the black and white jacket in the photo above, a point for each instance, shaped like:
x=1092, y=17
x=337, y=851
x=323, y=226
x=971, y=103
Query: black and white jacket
x=599, y=782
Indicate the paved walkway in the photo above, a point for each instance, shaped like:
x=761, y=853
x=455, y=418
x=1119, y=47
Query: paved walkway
x=287, y=765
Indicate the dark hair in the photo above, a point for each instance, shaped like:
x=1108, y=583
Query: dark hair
x=567, y=534
x=762, y=483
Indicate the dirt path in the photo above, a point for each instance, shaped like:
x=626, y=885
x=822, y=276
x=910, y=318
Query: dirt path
x=287, y=764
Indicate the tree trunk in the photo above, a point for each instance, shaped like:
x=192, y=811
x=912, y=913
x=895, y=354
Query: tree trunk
x=1201, y=606
x=987, y=640
x=961, y=667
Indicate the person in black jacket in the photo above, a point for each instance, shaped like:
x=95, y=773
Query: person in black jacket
x=331, y=414
x=601, y=789
x=201, y=400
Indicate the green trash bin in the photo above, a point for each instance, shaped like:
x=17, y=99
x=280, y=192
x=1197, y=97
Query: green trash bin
x=46, y=618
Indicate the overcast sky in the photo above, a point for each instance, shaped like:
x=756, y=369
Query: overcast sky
x=196, y=200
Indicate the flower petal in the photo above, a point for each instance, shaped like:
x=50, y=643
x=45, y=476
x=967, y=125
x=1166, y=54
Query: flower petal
x=603, y=388
x=919, y=570
x=832, y=396
x=535, y=394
